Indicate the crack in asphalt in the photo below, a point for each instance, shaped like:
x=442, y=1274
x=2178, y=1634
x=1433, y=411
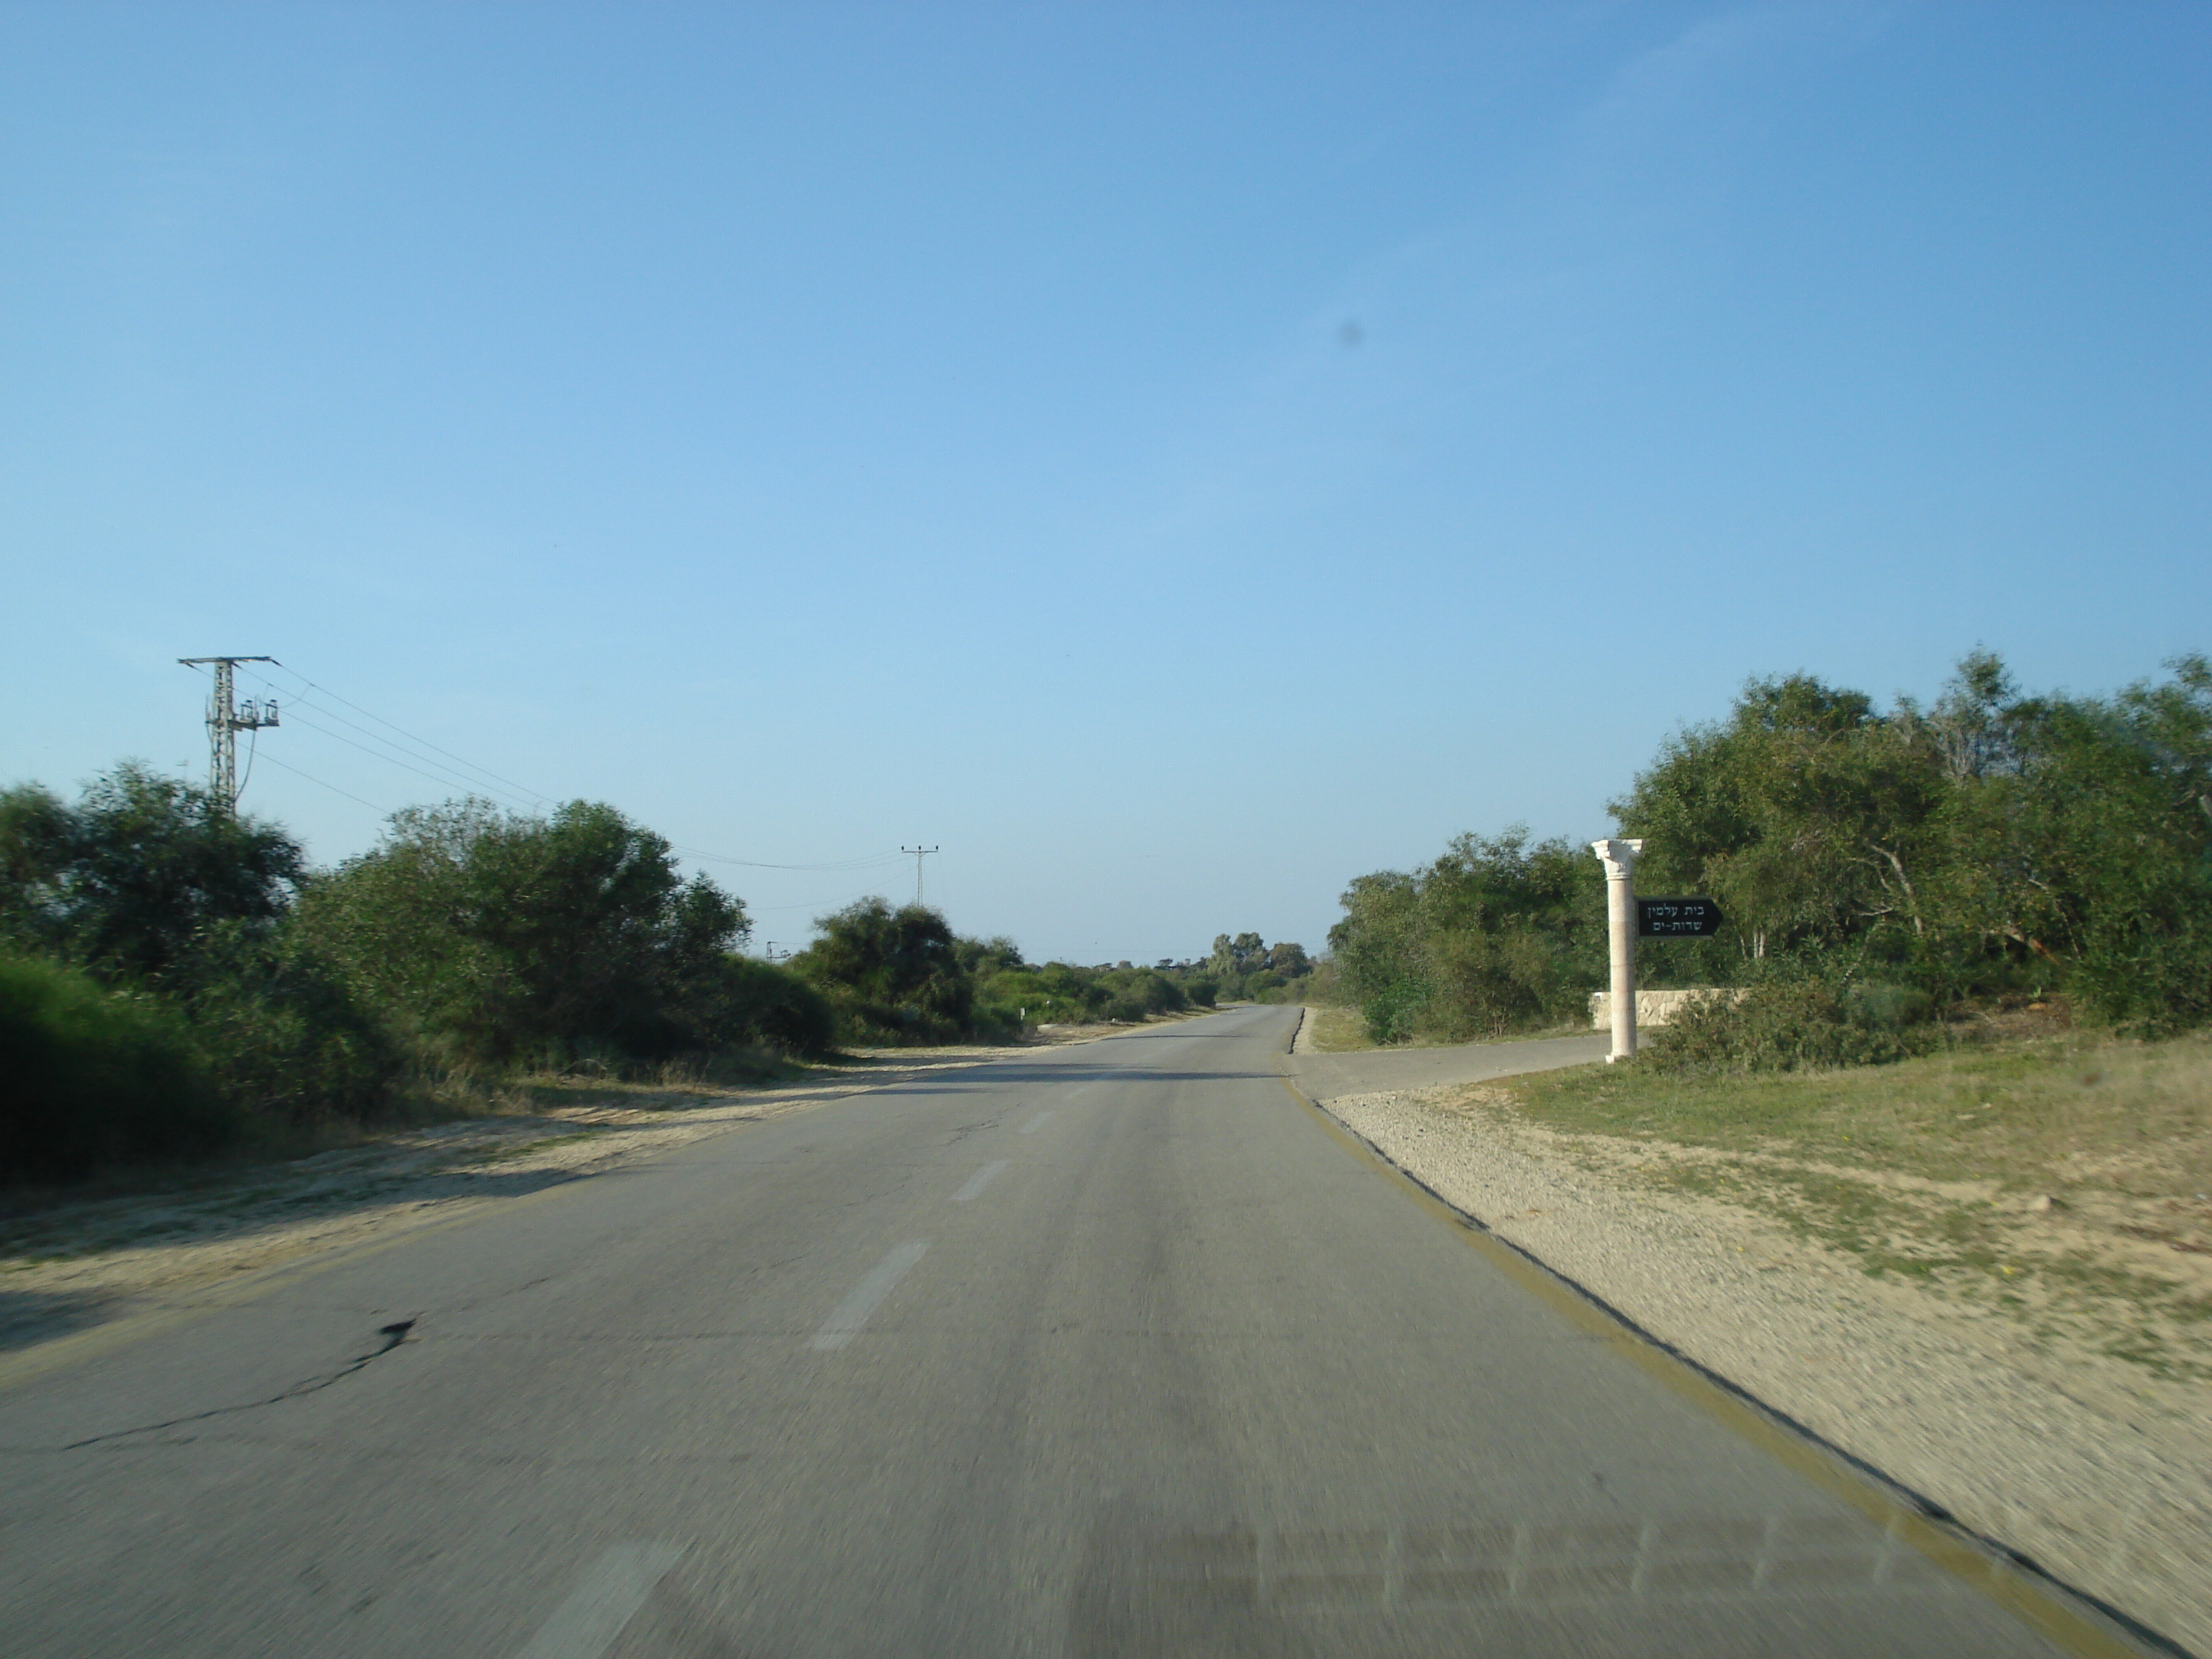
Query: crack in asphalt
x=393, y=1335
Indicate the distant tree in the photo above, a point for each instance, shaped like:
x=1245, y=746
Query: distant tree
x=987, y=955
x=895, y=967
x=132, y=878
x=1246, y=953
x=504, y=936
x=1499, y=934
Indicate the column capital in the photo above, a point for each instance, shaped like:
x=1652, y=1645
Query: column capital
x=1620, y=857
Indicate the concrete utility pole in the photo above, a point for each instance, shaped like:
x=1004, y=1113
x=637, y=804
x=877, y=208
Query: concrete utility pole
x=226, y=719
x=1619, y=859
x=919, y=853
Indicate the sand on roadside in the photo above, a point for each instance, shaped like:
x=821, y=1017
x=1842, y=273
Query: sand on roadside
x=2098, y=1472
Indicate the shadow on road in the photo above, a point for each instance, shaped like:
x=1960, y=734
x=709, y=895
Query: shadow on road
x=27, y=1317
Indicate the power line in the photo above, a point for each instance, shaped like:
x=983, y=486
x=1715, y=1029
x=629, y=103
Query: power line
x=873, y=861
x=451, y=781
x=453, y=774
x=457, y=775
x=523, y=788
x=333, y=788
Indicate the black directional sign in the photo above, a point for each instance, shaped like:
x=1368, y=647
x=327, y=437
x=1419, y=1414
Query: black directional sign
x=1677, y=917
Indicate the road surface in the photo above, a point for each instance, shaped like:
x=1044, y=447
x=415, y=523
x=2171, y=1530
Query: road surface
x=1108, y=1350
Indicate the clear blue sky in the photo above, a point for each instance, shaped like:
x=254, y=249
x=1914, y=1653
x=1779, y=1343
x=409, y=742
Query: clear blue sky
x=1176, y=458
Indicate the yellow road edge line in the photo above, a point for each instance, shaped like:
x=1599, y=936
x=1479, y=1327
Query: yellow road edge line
x=2030, y=1599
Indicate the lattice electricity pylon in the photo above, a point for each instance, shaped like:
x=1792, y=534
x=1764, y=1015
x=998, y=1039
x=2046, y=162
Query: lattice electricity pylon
x=225, y=719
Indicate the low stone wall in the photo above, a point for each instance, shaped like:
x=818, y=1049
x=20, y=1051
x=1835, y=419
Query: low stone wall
x=1652, y=1007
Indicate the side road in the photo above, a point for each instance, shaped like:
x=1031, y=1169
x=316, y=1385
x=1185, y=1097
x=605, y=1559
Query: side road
x=2075, y=1459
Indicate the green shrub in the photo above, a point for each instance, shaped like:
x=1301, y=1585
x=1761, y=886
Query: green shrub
x=757, y=1003
x=130, y=879
x=492, y=938
x=892, y=975
x=1501, y=933
x=1392, y=1013
x=1133, y=994
x=1791, y=1025
x=279, y=1032
x=98, y=1076
x=2148, y=965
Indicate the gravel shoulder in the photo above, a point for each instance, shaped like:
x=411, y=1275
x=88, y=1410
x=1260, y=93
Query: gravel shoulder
x=2098, y=1471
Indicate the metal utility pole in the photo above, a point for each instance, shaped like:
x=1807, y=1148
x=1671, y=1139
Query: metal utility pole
x=919, y=853
x=225, y=719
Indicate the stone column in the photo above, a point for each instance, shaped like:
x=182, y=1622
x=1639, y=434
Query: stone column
x=1619, y=859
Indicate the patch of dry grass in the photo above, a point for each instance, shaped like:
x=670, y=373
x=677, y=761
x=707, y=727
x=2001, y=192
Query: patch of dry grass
x=1339, y=1030
x=2046, y=1116
x=2064, y=1182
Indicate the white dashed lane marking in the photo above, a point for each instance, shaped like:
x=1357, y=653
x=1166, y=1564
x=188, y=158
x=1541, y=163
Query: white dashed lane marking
x=879, y=1281
x=982, y=1178
x=1037, y=1123
x=586, y=1625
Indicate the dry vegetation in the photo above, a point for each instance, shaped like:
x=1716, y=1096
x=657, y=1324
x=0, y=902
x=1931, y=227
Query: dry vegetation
x=2060, y=1180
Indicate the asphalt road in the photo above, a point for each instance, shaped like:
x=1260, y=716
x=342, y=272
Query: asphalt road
x=1106, y=1350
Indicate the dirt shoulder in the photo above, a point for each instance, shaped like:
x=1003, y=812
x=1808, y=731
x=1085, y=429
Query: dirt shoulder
x=2018, y=1331
x=71, y=1265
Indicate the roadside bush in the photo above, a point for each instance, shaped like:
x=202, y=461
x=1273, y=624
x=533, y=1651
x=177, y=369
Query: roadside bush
x=1393, y=1014
x=1791, y=1025
x=492, y=938
x=757, y=1003
x=1501, y=933
x=279, y=1033
x=1133, y=994
x=131, y=880
x=2148, y=966
x=892, y=975
x=997, y=1022
x=98, y=1076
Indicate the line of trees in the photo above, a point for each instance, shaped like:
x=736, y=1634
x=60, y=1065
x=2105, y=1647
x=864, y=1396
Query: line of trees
x=902, y=976
x=1886, y=864
x=174, y=979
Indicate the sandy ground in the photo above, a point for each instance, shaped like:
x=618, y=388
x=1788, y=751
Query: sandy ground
x=2090, y=1465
